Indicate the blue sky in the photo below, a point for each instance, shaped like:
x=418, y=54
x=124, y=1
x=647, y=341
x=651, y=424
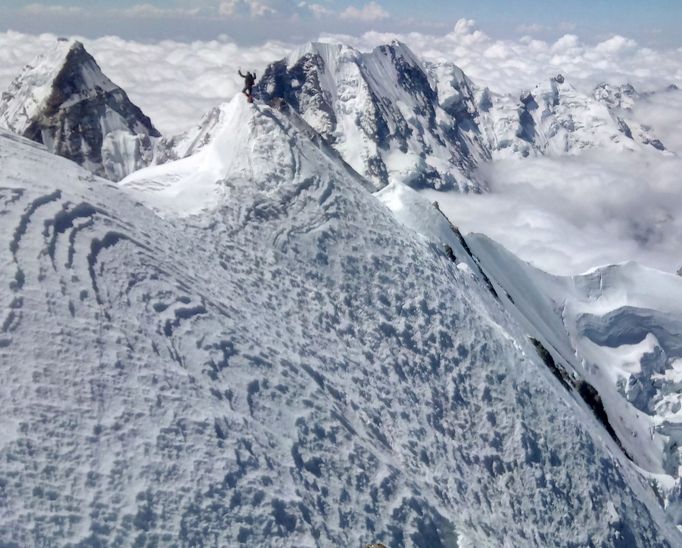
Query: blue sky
x=652, y=22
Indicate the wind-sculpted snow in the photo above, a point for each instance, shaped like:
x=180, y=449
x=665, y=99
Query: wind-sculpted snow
x=292, y=367
x=620, y=329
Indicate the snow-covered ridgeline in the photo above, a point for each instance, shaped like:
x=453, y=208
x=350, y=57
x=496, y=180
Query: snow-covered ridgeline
x=390, y=116
x=245, y=336
x=380, y=110
x=294, y=366
x=617, y=328
x=555, y=119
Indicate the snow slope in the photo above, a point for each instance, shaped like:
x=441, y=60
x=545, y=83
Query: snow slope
x=63, y=99
x=233, y=153
x=620, y=328
x=292, y=367
x=190, y=142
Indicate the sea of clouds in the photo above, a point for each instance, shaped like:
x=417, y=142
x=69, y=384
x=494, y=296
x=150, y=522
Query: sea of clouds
x=565, y=214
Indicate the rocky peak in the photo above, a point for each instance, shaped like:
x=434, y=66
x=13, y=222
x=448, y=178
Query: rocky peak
x=616, y=97
x=381, y=111
x=64, y=101
x=621, y=102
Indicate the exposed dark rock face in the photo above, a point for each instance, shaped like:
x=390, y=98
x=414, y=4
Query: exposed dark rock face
x=64, y=101
x=299, y=85
x=527, y=126
x=584, y=389
x=381, y=111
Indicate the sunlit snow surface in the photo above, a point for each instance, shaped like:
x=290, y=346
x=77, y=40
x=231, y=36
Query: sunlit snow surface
x=294, y=367
x=618, y=327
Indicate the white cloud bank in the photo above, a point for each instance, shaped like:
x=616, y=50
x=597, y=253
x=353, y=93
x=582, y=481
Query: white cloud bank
x=252, y=8
x=52, y=9
x=570, y=214
x=154, y=12
x=565, y=215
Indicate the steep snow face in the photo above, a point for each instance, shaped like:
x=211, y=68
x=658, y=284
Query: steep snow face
x=63, y=100
x=293, y=367
x=457, y=96
x=620, y=329
x=233, y=151
x=381, y=111
x=555, y=119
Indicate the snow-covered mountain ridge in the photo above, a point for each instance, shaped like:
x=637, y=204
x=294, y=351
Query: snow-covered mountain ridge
x=396, y=119
x=390, y=116
x=292, y=367
x=612, y=335
x=618, y=328
x=555, y=119
x=243, y=345
x=381, y=112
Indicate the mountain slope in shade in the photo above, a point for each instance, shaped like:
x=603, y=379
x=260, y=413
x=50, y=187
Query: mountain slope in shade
x=63, y=100
x=292, y=367
x=189, y=142
x=381, y=111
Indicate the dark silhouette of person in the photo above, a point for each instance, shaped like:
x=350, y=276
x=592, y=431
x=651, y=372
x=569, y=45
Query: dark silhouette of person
x=249, y=81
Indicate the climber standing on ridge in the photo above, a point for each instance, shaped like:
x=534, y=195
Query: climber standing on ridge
x=249, y=80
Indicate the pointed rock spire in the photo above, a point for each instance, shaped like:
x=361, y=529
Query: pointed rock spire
x=64, y=101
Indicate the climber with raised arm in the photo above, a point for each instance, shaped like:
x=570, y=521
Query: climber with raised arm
x=249, y=81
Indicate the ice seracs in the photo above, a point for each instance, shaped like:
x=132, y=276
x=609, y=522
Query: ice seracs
x=619, y=328
x=64, y=101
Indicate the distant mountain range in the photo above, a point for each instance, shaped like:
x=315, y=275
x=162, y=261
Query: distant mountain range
x=390, y=116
